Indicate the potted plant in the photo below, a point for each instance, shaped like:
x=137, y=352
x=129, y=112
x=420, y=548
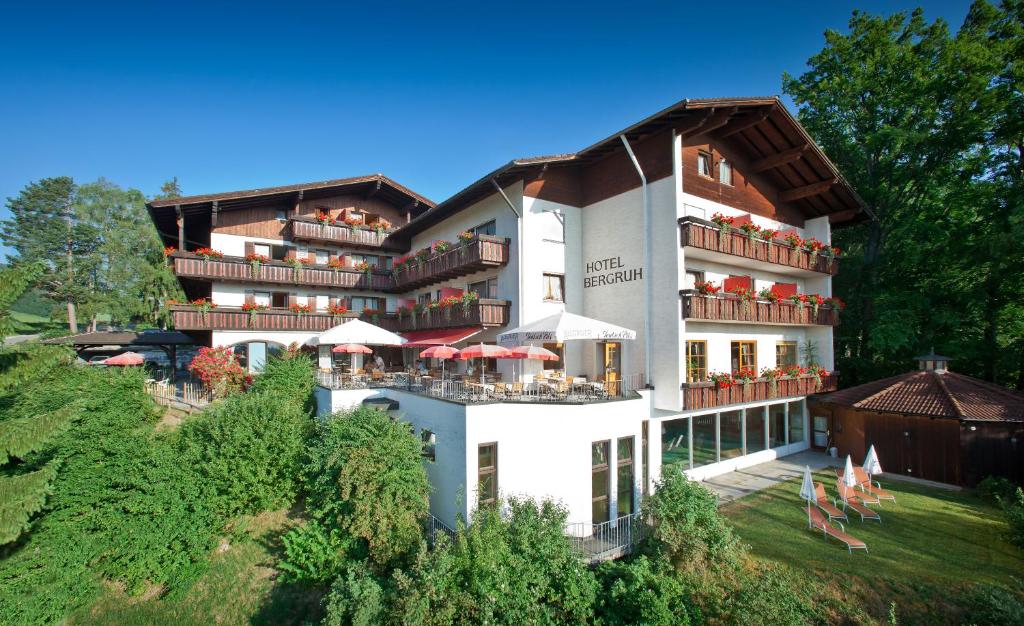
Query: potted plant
x=365, y=268
x=256, y=261
x=440, y=246
x=835, y=302
x=252, y=309
x=468, y=300
x=831, y=253
x=204, y=306
x=705, y=288
x=722, y=380
x=745, y=295
x=207, y=254
x=794, y=240
x=772, y=375
x=301, y=309
x=336, y=310
x=818, y=373
x=337, y=264
x=297, y=264
x=813, y=246
x=744, y=376
x=769, y=295
x=466, y=237
x=752, y=230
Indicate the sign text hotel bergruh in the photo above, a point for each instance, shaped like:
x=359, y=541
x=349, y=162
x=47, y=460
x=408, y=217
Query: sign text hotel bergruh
x=610, y=271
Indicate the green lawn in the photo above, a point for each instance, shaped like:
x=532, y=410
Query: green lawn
x=930, y=543
x=239, y=588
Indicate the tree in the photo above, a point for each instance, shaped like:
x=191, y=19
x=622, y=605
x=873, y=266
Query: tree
x=13, y=283
x=170, y=189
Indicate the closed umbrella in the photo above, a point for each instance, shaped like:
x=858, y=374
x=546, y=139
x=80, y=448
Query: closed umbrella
x=484, y=351
x=808, y=493
x=849, y=479
x=871, y=463
x=126, y=358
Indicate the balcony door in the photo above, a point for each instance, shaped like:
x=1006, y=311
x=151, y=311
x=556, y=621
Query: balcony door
x=611, y=352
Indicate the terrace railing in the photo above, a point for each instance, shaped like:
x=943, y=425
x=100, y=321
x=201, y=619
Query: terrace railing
x=698, y=233
x=237, y=269
x=187, y=317
x=311, y=230
x=480, y=253
x=729, y=308
x=485, y=312
x=707, y=395
x=607, y=540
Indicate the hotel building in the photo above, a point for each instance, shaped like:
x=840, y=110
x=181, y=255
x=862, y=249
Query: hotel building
x=622, y=232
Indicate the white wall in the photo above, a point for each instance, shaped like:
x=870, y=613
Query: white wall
x=285, y=338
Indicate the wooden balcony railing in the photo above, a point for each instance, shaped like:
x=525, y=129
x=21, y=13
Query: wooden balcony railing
x=485, y=312
x=707, y=395
x=232, y=318
x=698, y=233
x=235, y=269
x=727, y=308
x=482, y=252
x=309, y=230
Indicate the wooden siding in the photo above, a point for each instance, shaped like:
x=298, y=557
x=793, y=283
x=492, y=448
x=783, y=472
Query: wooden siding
x=706, y=235
x=616, y=174
x=234, y=269
x=336, y=204
x=259, y=222
x=230, y=318
x=486, y=312
x=731, y=308
x=483, y=252
x=561, y=185
x=305, y=230
x=707, y=395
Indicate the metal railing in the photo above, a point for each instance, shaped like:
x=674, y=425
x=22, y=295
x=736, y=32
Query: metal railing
x=607, y=540
x=435, y=526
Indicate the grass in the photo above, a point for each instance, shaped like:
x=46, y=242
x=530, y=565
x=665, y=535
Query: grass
x=931, y=544
x=239, y=588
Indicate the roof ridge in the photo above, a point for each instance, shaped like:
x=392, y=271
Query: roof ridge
x=960, y=413
x=898, y=379
x=989, y=386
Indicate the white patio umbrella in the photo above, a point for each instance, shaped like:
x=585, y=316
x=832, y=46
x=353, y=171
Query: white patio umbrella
x=871, y=463
x=564, y=327
x=807, y=492
x=849, y=479
x=358, y=331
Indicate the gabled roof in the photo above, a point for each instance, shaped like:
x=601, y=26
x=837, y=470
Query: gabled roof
x=761, y=126
x=930, y=393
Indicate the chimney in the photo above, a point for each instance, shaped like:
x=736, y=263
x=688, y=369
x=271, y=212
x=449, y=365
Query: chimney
x=933, y=362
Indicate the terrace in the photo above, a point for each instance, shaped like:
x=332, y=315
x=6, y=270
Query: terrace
x=710, y=242
x=427, y=267
x=484, y=312
x=237, y=269
x=708, y=394
x=308, y=229
x=188, y=317
x=731, y=308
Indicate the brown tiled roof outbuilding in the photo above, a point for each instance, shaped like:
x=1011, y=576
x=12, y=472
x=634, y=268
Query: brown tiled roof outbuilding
x=933, y=394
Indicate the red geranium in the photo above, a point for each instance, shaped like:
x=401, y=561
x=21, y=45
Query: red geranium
x=169, y=250
x=301, y=309
x=219, y=371
x=722, y=220
x=337, y=309
x=325, y=218
x=707, y=289
x=208, y=253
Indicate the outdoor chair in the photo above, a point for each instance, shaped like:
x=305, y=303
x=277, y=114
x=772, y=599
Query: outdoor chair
x=874, y=489
x=517, y=390
x=377, y=376
x=819, y=522
x=500, y=391
x=862, y=496
x=831, y=509
x=850, y=497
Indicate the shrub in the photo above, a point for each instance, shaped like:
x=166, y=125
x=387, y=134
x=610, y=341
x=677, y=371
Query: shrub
x=995, y=489
x=769, y=594
x=219, y=371
x=643, y=592
x=686, y=526
x=365, y=477
x=291, y=378
x=517, y=568
x=314, y=554
x=248, y=449
x=1014, y=508
x=989, y=605
x=356, y=598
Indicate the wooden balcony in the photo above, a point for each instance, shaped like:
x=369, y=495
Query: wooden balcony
x=482, y=252
x=232, y=318
x=486, y=312
x=707, y=395
x=698, y=233
x=311, y=230
x=235, y=269
x=727, y=308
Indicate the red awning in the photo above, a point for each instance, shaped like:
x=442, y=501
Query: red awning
x=438, y=337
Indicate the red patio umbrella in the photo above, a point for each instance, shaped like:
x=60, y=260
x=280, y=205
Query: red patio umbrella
x=440, y=352
x=534, y=352
x=126, y=358
x=351, y=348
x=484, y=351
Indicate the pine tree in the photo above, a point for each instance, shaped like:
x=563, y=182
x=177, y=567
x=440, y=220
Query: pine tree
x=13, y=283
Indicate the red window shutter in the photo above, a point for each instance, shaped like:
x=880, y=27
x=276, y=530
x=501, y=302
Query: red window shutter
x=250, y=248
x=290, y=254
x=250, y=297
x=740, y=220
x=311, y=257
x=450, y=291
x=735, y=282
x=784, y=290
x=334, y=257
x=292, y=299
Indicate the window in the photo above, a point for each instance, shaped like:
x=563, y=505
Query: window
x=485, y=288
x=487, y=228
x=624, y=477
x=262, y=298
x=371, y=259
x=487, y=473
x=423, y=298
x=279, y=300
x=280, y=215
x=730, y=434
x=755, y=418
x=559, y=349
x=359, y=304
x=429, y=440
x=322, y=256
x=696, y=361
x=644, y=461
x=675, y=442
x=692, y=278
x=704, y=163
x=785, y=354
x=554, y=286
x=744, y=355
x=600, y=481
x=705, y=450
x=261, y=248
x=725, y=172
x=278, y=253
x=777, y=425
x=796, y=421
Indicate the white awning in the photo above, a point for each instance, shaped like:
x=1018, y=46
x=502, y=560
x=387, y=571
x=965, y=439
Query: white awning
x=565, y=327
x=358, y=331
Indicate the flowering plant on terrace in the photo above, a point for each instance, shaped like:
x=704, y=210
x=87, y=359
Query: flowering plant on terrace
x=724, y=221
x=337, y=309
x=204, y=306
x=208, y=253
x=752, y=230
x=795, y=371
x=468, y=300
x=794, y=240
x=336, y=263
x=301, y=309
x=768, y=294
x=218, y=370
x=325, y=219
x=465, y=237
x=812, y=245
x=705, y=288
x=440, y=246
x=744, y=375
x=722, y=380
x=169, y=250
x=256, y=261
x=364, y=267
x=768, y=234
x=252, y=309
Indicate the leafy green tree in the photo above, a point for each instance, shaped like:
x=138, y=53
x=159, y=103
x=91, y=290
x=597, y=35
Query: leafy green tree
x=13, y=283
x=643, y=591
x=365, y=479
x=170, y=189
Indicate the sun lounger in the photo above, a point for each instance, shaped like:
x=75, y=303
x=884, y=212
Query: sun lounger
x=850, y=498
x=818, y=522
x=831, y=509
x=861, y=496
x=875, y=489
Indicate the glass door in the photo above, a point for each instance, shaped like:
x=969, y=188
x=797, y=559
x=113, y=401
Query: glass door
x=820, y=431
x=612, y=360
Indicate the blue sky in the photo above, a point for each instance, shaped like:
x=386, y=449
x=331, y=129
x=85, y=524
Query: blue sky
x=434, y=95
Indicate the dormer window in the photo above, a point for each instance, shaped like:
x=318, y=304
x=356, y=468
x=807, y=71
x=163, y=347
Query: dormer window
x=704, y=163
x=725, y=172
